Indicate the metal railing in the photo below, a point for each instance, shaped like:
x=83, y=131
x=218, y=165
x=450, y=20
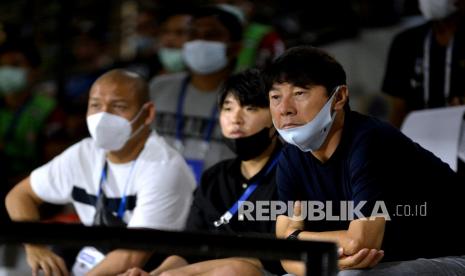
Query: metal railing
x=320, y=257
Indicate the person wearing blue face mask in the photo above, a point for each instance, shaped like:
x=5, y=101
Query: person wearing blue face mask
x=355, y=180
x=186, y=102
x=174, y=32
x=124, y=175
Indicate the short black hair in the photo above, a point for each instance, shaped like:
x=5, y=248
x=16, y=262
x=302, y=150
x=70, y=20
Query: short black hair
x=24, y=46
x=174, y=10
x=227, y=19
x=305, y=66
x=247, y=87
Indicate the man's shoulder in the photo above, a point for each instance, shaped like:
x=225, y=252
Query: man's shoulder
x=44, y=101
x=85, y=146
x=412, y=35
x=40, y=107
x=158, y=152
x=88, y=145
x=369, y=135
x=368, y=127
x=167, y=79
x=165, y=88
x=222, y=168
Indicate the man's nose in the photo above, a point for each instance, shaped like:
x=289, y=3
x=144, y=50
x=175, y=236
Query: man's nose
x=168, y=40
x=287, y=107
x=236, y=117
x=106, y=108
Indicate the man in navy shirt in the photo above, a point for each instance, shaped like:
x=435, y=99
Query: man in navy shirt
x=356, y=180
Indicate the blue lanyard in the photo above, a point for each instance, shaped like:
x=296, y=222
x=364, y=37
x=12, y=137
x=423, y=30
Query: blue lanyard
x=226, y=217
x=104, y=178
x=179, y=115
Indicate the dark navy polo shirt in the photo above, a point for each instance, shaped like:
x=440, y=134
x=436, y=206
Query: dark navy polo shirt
x=375, y=162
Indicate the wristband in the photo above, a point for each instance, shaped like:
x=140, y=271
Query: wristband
x=293, y=235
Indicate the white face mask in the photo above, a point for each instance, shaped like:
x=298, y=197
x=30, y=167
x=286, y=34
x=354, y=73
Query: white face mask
x=205, y=57
x=171, y=59
x=311, y=136
x=436, y=9
x=12, y=79
x=111, y=132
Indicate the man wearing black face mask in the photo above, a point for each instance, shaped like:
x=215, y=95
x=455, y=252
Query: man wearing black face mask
x=247, y=128
x=247, y=148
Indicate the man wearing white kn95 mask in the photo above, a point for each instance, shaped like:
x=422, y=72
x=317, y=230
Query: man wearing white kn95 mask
x=356, y=180
x=426, y=63
x=187, y=102
x=125, y=175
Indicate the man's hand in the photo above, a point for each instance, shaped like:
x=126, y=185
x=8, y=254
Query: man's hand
x=42, y=258
x=135, y=271
x=364, y=258
x=455, y=101
x=286, y=225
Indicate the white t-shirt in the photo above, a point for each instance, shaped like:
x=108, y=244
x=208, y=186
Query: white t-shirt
x=158, y=185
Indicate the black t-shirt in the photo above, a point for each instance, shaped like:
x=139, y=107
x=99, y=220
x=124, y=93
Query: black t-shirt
x=375, y=162
x=405, y=74
x=220, y=187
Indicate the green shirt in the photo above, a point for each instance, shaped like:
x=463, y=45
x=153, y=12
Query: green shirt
x=20, y=131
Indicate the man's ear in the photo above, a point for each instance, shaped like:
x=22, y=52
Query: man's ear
x=341, y=97
x=150, y=107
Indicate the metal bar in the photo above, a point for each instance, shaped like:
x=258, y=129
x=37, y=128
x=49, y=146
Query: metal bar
x=320, y=257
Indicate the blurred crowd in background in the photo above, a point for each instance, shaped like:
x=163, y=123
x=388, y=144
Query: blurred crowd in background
x=52, y=51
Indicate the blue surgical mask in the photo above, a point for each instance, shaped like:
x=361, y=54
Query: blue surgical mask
x=205, y=57
x=311, y=136
x=171, y=59
x=13, y=79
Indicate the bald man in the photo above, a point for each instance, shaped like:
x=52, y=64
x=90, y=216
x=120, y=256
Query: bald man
x=125, y=175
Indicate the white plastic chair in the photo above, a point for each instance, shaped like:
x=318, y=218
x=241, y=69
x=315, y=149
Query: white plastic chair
x=438, y=130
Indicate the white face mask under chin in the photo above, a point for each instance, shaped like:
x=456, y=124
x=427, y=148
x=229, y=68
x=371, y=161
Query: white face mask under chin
x=311, y=136
x=111, y=132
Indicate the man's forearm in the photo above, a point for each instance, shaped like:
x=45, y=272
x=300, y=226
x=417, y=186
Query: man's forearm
x=120, y=260
x=361, y=234
x=172, y=262
x=332, y=236
x=203, y=267
x=341, y=238
x=22, y=204
x=294, y=267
